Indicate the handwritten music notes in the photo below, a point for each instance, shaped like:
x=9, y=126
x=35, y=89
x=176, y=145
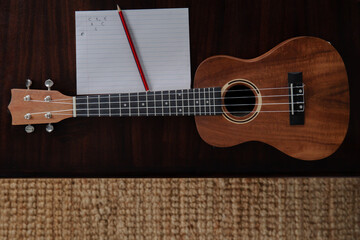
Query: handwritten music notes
x=104, y=61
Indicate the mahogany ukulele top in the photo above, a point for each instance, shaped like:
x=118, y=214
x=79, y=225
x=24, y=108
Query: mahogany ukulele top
x=326, y=94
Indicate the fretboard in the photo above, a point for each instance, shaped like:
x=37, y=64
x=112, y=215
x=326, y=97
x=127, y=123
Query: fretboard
x=186, y=102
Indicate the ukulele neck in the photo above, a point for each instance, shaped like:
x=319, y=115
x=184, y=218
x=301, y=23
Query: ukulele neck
x=186, y=102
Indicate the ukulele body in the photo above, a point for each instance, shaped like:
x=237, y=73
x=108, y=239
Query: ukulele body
x=326, y=99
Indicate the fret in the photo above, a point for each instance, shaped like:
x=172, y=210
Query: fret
x=109, y=106
x=129, y=105
x=162, y=103
x=197, y=101
x=87, y=105
x=134, y=111
x=176, y=110
x=211, y=101
x=147, y=105
x=191, y=101
x=142, y=104
x=205, y=107
x=202, y=102
x=104, y=105
x=124, y=98
x=158, y=103
x=207, y=101
x=137, y=97
x=93, y=105
x=114, y=105
x=98, y=105
x=194, y=100
x=179, y=103
x=150, y=100
x=182, y=102
x=166, y=103
x=119, y=95
x=172, y=103
x=186, y=102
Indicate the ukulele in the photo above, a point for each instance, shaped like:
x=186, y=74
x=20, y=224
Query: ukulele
x=295, y=98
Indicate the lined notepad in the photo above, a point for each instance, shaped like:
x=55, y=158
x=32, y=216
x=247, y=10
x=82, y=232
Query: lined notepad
x=104, y=61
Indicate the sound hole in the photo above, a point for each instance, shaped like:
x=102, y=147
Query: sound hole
x=239, y=100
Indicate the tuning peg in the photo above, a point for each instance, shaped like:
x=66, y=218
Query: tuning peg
x=49, y=128
x=29, y=128
x=49, y=83
x=28, y=83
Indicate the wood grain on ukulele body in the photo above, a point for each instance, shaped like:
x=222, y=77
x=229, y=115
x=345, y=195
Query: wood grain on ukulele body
x=294, y=97
x=326, y=94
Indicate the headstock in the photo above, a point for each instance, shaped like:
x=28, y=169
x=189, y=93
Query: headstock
x=39, y=106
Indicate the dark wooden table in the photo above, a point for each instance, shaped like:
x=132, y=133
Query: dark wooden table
x=37, y=40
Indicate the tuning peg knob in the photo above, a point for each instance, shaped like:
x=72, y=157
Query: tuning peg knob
x=29, y=128
x=49, y=128
x=49, y=83
x=28, y=83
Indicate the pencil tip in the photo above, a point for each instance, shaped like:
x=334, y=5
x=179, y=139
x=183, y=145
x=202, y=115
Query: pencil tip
x=118, y=8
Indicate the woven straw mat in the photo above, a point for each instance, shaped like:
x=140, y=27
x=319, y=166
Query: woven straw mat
x=216, y=208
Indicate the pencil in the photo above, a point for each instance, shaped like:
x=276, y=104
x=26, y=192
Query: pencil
x=133, y=48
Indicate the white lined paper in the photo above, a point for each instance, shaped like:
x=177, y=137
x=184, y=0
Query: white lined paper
x=104, y=61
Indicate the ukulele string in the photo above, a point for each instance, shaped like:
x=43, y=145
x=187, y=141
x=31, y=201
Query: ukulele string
x=56, y=111
x=168, y=107
x=172, y=106
x=59, y=112
x=170, y=100
x=190, y=106
x=274, y=88
x=181, y=114
x=174, y=94
x=186, y=99
x=51, y=101
x=184, y=114
x=64, y=99
x=108, y=96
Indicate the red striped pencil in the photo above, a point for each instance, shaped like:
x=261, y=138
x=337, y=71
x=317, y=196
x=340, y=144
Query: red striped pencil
x=133, y=48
